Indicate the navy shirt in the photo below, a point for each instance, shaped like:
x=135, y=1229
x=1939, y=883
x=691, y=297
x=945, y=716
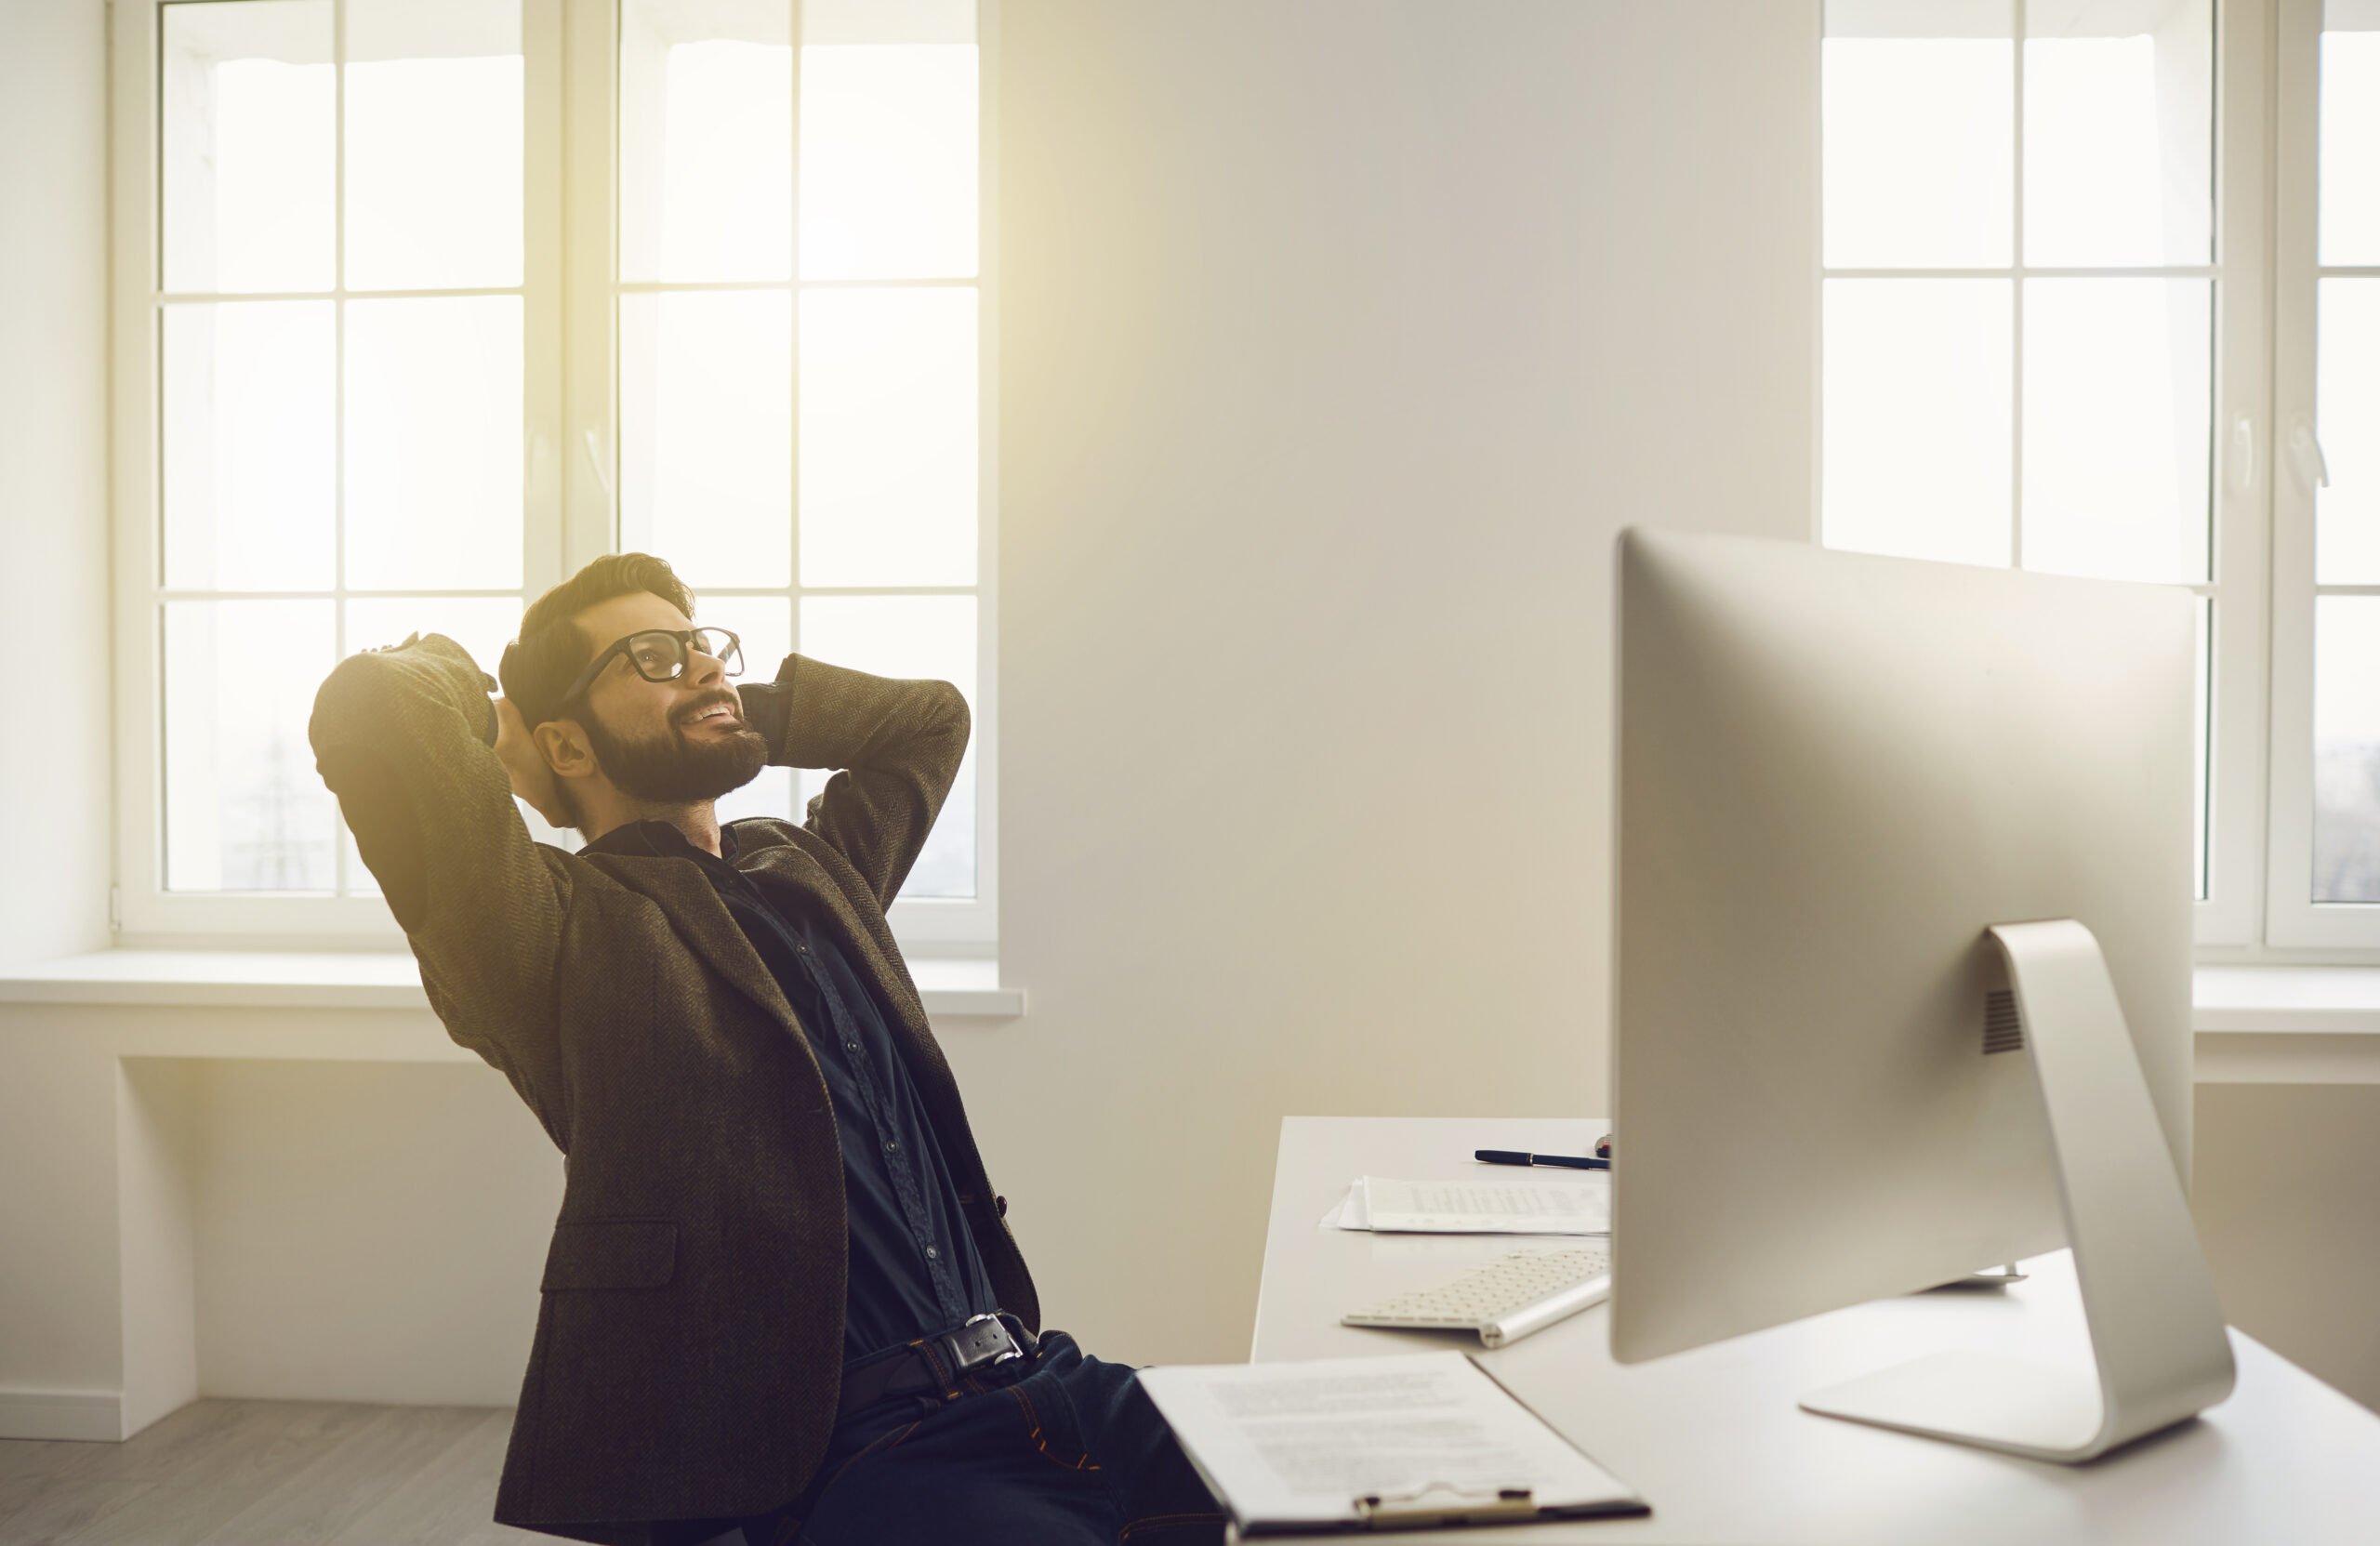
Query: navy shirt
x=914, y=1267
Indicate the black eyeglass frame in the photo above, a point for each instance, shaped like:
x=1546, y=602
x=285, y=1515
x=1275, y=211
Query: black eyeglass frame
x=682, y=640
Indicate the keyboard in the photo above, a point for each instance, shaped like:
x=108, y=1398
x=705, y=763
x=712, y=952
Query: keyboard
x=1504, y=1300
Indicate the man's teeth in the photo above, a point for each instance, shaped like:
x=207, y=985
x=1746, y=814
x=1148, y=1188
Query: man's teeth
x=716, y=711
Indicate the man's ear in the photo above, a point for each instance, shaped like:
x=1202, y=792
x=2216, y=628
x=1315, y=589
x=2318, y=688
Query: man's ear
x=565, y=747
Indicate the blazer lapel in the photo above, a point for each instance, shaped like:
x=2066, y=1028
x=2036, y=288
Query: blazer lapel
x=694, y=911
x=701, y=920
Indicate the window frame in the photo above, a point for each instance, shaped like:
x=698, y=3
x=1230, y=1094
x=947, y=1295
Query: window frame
x=2293, y=921
x=2228, y=922
x=570, y=454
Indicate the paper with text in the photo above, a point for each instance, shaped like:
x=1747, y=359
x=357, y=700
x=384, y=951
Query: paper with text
x=1489, y=1207
x=1298, y=1443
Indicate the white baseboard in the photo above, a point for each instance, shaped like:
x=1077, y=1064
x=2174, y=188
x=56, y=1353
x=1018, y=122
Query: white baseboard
x=61, y=1415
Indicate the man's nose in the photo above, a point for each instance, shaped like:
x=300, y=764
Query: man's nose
x=704, y=670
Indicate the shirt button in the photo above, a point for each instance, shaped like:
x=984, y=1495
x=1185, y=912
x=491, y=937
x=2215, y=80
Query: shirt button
x=932, y=1255
x=851, y=1046
x=892, y=1145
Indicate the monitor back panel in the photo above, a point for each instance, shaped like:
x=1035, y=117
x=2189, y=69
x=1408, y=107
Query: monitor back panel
x=1835, y=771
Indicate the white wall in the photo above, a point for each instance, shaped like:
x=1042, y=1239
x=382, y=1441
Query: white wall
x=2286, y=1192
x=53, y=770
x=371, y=1231
x=1337, y=340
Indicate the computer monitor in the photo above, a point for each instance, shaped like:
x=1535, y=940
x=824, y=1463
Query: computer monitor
x=1903, y=895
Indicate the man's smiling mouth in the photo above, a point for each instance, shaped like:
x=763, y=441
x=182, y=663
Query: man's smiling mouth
x=709, y=714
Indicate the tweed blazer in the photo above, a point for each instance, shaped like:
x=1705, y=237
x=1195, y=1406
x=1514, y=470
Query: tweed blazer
x=690, y=1329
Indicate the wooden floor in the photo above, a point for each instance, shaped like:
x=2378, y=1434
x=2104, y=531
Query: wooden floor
x=267, y=1473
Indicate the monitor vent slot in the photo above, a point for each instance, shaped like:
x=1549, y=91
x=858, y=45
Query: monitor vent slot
x=2003, y=1031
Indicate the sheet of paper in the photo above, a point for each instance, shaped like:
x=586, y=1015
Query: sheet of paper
x=1582, y=1206
x=1298, y=1442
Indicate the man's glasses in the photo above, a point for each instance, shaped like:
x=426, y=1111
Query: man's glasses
x=661, y=654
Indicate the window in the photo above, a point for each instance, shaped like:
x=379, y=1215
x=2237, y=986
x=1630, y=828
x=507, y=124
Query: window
x=424, y=304
x=2041, y=297
x=2325, y=860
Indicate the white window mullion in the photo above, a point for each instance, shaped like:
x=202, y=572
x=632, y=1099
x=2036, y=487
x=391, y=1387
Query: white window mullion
x=2016, y=289
x=986, y=921
x=590, y=457
x=2231, y=916
x=793, y=353
x=339, y=876
x=546, y=438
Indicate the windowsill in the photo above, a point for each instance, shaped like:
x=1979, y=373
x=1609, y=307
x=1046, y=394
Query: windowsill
x=2255, y=1024
x=2287, y=1025
x=374, y=980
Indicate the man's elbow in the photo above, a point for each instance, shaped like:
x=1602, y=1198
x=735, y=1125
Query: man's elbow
x=952, y=711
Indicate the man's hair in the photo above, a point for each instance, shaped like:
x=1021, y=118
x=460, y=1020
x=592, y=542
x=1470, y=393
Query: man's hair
x=553, y=649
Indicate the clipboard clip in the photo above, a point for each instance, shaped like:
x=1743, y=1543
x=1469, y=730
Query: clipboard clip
x=1409, y=1510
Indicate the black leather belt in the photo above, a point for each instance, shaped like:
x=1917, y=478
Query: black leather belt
x=987, y=1346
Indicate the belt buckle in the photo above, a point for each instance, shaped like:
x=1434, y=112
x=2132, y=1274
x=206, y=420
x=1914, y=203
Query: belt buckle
x=966, y=1357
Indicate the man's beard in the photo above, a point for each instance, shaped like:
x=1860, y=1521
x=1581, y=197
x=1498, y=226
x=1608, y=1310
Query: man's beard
x=673, y=769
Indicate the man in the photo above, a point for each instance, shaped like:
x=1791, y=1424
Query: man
x=781, y=1298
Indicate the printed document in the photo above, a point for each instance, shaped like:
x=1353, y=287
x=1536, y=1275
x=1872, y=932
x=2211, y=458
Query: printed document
x=1485, y=1207
x=1293, y=1445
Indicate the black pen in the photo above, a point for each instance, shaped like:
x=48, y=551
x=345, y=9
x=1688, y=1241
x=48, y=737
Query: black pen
x=1517, y=1156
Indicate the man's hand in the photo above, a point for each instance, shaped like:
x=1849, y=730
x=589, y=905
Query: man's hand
x=532, y=780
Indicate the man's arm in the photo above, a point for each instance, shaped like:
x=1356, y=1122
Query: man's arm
x=405, y=739
x=898, y=742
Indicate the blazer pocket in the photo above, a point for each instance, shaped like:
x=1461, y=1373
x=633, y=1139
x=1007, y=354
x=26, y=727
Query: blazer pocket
x=611, y=1253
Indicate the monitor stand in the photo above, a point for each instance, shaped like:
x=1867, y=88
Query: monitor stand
x=2156, y=1329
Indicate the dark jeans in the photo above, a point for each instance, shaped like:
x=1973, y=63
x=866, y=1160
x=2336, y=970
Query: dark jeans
x=1072, y=1454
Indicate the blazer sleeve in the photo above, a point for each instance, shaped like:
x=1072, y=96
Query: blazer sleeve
x=405, y=738
x=898, y=744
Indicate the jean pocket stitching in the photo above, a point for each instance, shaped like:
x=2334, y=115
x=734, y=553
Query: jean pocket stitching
x=1168, y=1519
x=875, y=1446
x=1033, y=1420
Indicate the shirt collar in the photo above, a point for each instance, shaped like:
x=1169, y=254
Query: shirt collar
x=660, y=838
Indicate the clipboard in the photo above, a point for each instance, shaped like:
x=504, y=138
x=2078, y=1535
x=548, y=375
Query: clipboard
x=1436, y=1507
x=1437, y=1441
x=1414, y=1511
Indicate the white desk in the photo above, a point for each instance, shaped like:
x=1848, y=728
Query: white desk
x=1713, y=1438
